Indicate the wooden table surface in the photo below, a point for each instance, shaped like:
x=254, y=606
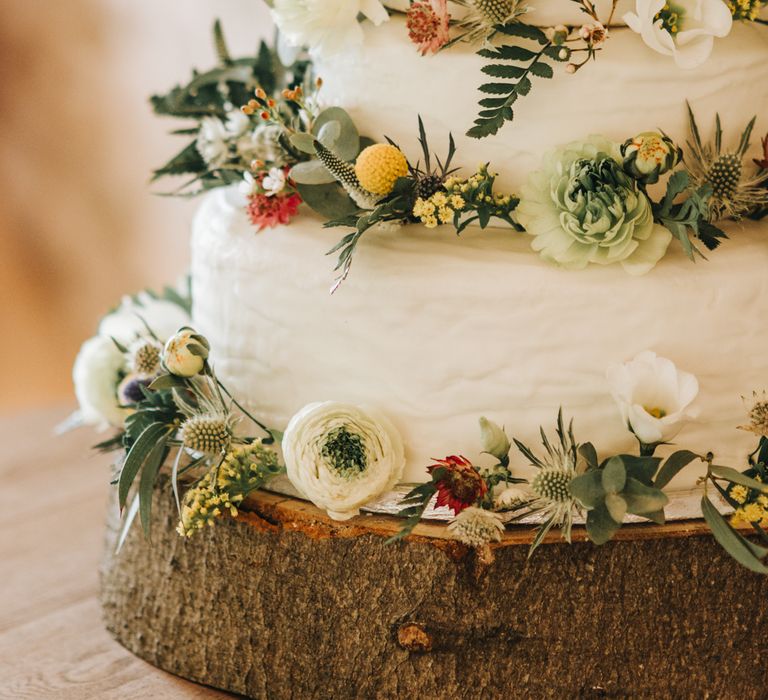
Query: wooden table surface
x=53, y=494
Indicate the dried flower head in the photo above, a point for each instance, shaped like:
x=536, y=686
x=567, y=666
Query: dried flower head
x=476, y=527
x=210, y=434
x=482, y=16
x=757, y=410
x=427, y=24
x=144, y=356
x=459, y=485
x=735, y=192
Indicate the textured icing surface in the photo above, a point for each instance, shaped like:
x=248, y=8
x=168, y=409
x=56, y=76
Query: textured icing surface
x=436, y=331
x=629, y=89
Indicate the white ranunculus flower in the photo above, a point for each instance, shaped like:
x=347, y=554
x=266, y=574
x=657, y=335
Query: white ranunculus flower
x=327, y=27
x=96, y=374
x=212, y=141
x=654, y=397
x=127, y=322
x=341, y=457
x=685, y=30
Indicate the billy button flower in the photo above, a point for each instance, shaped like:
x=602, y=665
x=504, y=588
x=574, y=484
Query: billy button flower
x=459, y=485
x=378, y=168
x=649, y=155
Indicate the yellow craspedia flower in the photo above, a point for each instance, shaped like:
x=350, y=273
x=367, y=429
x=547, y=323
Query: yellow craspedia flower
x=378, y=167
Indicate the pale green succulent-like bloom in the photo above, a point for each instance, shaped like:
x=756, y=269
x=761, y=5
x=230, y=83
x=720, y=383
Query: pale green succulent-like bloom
x=581, y=208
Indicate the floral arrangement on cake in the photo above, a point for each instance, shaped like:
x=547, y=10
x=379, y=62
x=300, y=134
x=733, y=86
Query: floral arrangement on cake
x=264, y=128
x=519, y=52
x=157, y=388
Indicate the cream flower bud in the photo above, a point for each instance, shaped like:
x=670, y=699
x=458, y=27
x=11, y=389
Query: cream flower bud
x=494, y=440
x=511, y=497
x=650, y=155
x=185, y=353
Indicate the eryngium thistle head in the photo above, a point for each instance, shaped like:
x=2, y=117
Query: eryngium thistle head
x=724, y=175
x=209, y=434
x=145, y=357
x=758, y=415
x=476, y=527
x=551, y=484
x=496, y=11
x=427, y=186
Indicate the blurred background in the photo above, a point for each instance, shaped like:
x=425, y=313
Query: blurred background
x=79, y=225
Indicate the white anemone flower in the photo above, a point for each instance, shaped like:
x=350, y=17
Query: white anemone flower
x=326, y=27
x=136, y=314
x=340, y=456
x=97, y=371
x=653, y=396
x=685, y=29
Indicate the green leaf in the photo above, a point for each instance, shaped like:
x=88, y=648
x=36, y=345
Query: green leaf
x=524, y=31
x=130, y=516
x=588, y=489
x=311, y=172
x=329, y=133
x=542, y=70
x=166, y=381
x=136, y=457
x=742, y=550
x=330, y=200
x=601, y=527
x=147, y=481
x=737, y=477
x=500, y=70
x=641, y=468
x=617, y=507
x=614, y=475
x=347, y=145
x=303, y=142
x=642, y=499
x=674, y=464
x=589, y=454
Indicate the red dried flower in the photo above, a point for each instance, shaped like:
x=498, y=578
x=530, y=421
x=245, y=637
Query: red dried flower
x=427, y=24
x=267, y=212
x=762, y=163
x=460, y=485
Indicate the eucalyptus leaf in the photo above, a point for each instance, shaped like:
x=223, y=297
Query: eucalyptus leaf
x=311, y=172
x=588, y=489
x=329, y=200
x=347, y=144
x=136, y=457
x=329, y=134
x=642, y=499
x=147, y=482
x=600, y=525
x=130, y=516
x=617, y=506
x=589, y=453
x=614, y=475
x=303, y=142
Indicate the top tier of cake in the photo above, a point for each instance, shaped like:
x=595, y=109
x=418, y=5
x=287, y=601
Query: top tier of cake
x=627, y=90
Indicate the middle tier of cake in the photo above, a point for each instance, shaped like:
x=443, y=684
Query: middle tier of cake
x=437, y=330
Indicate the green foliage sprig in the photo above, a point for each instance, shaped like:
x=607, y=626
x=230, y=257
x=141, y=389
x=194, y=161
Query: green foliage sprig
x=516, y=66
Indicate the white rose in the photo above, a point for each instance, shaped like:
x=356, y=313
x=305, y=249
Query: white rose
x=96, y=374
x=212, y=141
x=185, y=353
x=327, y=27
x=697, y=23
x=653, y=396
x=340, y=456
x=128, y=322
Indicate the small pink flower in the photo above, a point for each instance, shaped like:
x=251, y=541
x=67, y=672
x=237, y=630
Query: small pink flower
x=427, y=23
x=266, y=211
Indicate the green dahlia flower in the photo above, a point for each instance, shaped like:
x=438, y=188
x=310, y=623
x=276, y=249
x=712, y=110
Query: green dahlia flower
x=582, y=208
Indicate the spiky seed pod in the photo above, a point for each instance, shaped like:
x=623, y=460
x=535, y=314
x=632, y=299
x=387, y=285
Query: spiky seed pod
x=496, y=11
x=552, y=484
x=476, y=527
x=145, y=357
x=209, y=434
x=725, y=175
x=428, y=185
x=345, y=174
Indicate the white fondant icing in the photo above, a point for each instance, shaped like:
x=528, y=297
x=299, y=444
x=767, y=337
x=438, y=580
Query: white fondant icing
x=436, y=330
x=627, y=90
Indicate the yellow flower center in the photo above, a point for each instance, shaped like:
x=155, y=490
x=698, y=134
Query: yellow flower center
x=655, y=411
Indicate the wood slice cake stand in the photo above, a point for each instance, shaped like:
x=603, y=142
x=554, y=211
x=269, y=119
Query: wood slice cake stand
x=285, y=603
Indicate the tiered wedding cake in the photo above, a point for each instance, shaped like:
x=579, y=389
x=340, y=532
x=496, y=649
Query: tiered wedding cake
x=605, y=262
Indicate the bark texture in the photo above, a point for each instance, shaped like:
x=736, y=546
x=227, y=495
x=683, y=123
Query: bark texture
x=282, y=603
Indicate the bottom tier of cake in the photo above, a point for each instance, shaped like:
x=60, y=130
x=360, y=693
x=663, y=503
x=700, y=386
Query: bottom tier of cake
x=285, y=603
x=436, y=330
